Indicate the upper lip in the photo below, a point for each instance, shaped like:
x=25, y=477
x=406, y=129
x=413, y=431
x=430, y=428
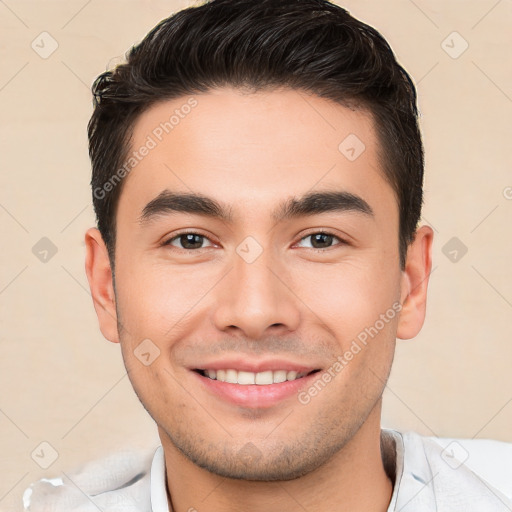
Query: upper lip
x=254, y=366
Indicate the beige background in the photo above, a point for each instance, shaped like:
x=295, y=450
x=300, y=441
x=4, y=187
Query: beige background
x=62, y=383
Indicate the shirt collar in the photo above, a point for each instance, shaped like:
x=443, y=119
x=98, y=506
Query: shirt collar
x=159, y=501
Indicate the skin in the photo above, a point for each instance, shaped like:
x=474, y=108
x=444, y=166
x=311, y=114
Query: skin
x=251, y=152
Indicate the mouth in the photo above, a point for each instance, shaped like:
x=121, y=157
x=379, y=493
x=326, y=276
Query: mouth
x=245, y=378
x=252, y=383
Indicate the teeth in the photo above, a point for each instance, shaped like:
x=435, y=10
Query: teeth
x=245, y=378
x=232, y=376
x=280, y=376
x=261, y=378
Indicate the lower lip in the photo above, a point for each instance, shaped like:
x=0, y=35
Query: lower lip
x=255, y=395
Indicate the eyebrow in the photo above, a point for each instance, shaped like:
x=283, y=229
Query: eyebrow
x=167, y=203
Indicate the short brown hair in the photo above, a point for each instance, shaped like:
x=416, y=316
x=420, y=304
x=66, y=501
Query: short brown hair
x=311, y=45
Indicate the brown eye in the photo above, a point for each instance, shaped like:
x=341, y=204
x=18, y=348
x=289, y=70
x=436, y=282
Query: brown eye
x=321, y=240
x=188, y=241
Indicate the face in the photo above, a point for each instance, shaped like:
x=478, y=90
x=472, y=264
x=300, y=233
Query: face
x=257, y=241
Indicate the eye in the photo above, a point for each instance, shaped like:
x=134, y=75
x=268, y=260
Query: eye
x=188, y=241
x=321, y=240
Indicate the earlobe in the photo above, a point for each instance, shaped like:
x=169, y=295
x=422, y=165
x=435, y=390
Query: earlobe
x=414, y=284
x=99, y=275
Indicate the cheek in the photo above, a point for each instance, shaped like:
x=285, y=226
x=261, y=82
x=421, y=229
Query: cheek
x=350, y=296
x=154, y=297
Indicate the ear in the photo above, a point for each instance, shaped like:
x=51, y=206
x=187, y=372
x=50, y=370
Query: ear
x=414, y=284
x=99, y=275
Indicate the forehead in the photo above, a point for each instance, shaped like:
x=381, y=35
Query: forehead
x=252, y=149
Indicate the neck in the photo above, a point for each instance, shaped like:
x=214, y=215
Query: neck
x=354, y=479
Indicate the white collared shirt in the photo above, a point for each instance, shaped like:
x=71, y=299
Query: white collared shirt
x=431, y=474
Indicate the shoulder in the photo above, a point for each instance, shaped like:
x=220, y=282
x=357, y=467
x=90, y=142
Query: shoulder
x=491, y=460
x=460, y=472
x=118, y=482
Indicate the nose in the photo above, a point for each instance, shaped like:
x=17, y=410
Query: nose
x=256, y=297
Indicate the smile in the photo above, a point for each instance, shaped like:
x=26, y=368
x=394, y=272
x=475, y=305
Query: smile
x=247, y=378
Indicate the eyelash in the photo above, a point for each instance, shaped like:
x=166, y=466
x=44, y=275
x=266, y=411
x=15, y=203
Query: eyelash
x=323, y=232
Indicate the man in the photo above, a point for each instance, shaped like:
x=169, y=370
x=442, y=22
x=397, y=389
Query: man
x=257, y=180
